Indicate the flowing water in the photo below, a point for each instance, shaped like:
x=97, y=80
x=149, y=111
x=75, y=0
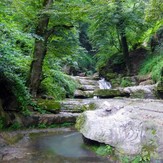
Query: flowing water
x=66, y=147
x=103, y=84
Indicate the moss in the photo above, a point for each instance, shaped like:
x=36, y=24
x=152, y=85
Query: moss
x=90, y=106
x=138, y=94
x=109, y=93
x=80, y=122
x=160, y=87
x=81, y=108
x=49, y=105
x=12, y=139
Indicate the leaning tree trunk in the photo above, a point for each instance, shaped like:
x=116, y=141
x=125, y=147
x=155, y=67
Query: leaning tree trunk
x=36, y=66
x=40, y=50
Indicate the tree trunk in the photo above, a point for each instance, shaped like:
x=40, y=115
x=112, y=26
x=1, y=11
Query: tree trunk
x=125, y=50
x=36, y=66
x=40, y=50
x=123, y=39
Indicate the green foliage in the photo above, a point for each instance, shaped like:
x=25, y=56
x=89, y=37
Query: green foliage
x=86, y=63
x=125, y=82
x=18, y=89
x=80, y=122
x=104, y=31
x=153, y=65
x=15, y=49
x=2, y=123
x=105, y=150
x=42, y=125
x=109, y=151
x=49, y=105
x=15, y=45
x=15, y=126
x=58, y=84
x=154, y=10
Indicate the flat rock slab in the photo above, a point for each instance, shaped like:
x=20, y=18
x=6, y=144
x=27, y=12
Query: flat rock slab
x=77, y=105
x=110, y=93
x=49, y=119
x=128, y=125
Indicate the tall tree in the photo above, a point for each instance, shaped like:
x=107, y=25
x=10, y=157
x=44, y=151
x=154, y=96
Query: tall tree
x=54, y=15
x=40, y=48
x=121, y=29
x=116, y=27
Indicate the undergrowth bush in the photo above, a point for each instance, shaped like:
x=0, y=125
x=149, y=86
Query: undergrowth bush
x=18, y=89
x=58, y=84
x=125, y=82
x=153, y=65
x=86, y=63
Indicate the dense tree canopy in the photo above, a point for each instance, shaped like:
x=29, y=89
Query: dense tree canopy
x=40, y=38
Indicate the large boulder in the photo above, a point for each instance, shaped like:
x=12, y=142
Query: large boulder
x=128, y=125
x=142, y=91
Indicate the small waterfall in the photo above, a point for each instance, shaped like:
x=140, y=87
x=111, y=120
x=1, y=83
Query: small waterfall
x=103, y=84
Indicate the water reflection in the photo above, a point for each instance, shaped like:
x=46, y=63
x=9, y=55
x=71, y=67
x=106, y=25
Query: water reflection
x=63, y=148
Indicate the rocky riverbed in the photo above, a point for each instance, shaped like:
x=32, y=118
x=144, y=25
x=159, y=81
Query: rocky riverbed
x=129, y=119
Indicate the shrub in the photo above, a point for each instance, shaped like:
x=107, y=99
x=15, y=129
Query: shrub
x=58, y=84
x=17, y=87
x=153, y=65
x=125, y=83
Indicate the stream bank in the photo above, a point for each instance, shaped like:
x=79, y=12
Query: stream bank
x=46, y=145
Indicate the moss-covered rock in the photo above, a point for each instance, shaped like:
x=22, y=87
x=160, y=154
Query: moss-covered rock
x=138, y=94
x=142, y=92
x=80, y=122
x=49, y=105
x=78, y=107
x=109, y=93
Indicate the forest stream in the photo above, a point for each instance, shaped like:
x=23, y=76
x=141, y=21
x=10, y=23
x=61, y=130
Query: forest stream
x=65, y=146
x=81, y=81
